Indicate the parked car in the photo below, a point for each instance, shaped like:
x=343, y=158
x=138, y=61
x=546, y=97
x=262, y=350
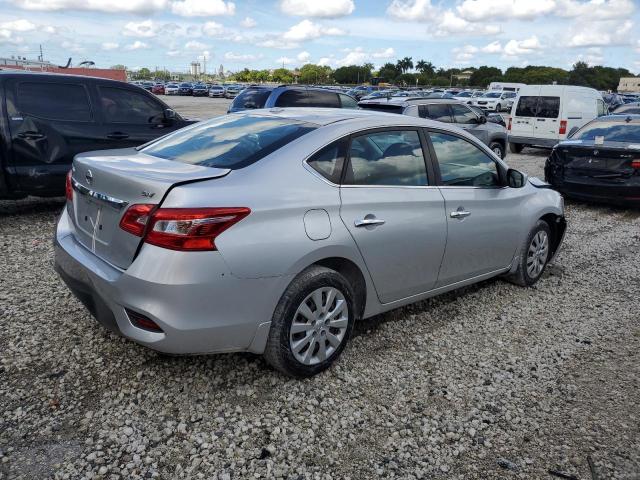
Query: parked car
x=612, y=100
x=495, y=101
x=491, y=117
x=363, y=90
x=545, y=114
x=158, y=89
x=600, y=162
x=627, y=109
x=147, y=85
x=290, y=96
x=446, y=111
x=185, y=89
x=200, y=90
x=216, y=91
x=231, y=91
x=273, y=231
x=172, y=89
x=50, y=118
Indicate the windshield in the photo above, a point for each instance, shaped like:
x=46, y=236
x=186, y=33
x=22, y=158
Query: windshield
x=464, y=94
x=610, y=131
x=493, y=95
x=232, y=141
x=185, y=84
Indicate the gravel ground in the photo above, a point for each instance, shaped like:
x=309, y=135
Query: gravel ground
x=492, y=381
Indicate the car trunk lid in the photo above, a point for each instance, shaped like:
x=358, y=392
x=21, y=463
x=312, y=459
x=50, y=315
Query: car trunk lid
x=106, y=183
x=607, y=162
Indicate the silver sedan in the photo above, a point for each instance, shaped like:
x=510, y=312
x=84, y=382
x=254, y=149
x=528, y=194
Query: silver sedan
x=273, y=231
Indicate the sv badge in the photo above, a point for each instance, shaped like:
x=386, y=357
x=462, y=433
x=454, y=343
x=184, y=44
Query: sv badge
x=147, y=194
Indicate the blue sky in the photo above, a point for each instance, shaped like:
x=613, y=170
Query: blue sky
x=268, y=34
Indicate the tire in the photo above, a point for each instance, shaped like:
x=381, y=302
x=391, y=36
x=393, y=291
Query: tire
x=497, y=148
x=312, y=332
x=516, y=147
x=498, y=108
x=534, y=257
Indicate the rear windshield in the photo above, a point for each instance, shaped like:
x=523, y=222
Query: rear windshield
x=251, y=98
x=610, y=131
x=231, y=141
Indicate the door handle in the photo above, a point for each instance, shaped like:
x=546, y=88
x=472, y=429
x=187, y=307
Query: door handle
x=118, y=135
x=369, y=222
x=459, y=214
x=31, y=135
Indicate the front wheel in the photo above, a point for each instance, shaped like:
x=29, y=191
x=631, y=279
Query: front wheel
x=311, y=324
x=497, y=148
x=516, y=147
x=498, y=108
x=534, y=256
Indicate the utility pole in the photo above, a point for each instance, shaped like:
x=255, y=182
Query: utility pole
x=41, y=57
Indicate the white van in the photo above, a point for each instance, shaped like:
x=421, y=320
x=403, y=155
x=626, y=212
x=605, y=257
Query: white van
x=545, y=114
x=506, y=86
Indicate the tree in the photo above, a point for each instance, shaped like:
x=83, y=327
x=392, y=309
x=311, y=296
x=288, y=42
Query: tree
x=404, y=64
x=388, y=72
x=353, y=73
x=314, y=74
x=426, y=68
x=485, y=75
x=143, y=74
x=282, y=75
x=118, y=66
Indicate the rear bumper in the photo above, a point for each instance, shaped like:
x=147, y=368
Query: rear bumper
x=542, y=142
x=620, y=195
x=199, y=304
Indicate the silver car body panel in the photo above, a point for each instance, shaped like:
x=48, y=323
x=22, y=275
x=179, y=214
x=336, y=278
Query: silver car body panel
x=223, y=300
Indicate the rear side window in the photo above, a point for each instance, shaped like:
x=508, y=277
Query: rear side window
x=328, y=161
x=54, y=101
x=462, y=114
x=437, y=112
x=526, y=107
x=249, y=98
x=292, y=98
x=320, y=98
x=548, y=107
x=382, y=107
x=121, y=105
x=347, y=101
x=232, y=141
x=386, y=158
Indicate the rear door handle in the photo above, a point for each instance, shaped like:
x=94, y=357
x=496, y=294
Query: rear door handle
x=369, y=222
x=31, y=135
x=459, y=214
x=118, y=135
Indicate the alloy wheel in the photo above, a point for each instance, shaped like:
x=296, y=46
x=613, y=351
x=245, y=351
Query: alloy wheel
x=537, y=254
x=319, y=326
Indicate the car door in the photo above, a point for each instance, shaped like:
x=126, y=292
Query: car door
x=50, y=122
x=468, y=120
x=392, y=210
x=524, y=117
x=130, y=117
x=483, y=216
x=547, y=124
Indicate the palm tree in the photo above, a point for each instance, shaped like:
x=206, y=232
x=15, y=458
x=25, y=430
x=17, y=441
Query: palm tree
x=405, y=64
x=425, y=67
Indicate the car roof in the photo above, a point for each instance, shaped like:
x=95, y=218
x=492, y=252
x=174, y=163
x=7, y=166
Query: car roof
x=57, y=76
x=619, y=118
x=406, y=101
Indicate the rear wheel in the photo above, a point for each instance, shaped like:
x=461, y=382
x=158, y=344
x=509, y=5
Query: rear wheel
x=497, y=148
x=311, y=324
x=534, y=256
x=516, y=147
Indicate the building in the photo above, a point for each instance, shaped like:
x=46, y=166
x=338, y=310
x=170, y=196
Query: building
x=194, y=69
x=629, y=84
x=22, y=63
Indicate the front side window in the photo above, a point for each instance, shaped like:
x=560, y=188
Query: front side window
x=462, y=164
x=329, y=160
x=54, y=101
x=126, y=106
x=232, y=141
x=386, y=158
x=347, y=101
x=462, y=114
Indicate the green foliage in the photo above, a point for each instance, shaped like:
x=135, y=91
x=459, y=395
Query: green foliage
x=314, y=74
x=143, y=74
x=404, y=64
x=282, y=75
x=353, y=74
x=389, y=72
x=484, y=75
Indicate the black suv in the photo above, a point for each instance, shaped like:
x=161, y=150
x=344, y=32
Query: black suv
x=290, y=96
x=46, y=119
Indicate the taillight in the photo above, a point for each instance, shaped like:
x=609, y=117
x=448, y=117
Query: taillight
x=563, y=127
x=181, y=228
x=68, y=188
x=509, y=125
x=135, y=218
x=635, y=164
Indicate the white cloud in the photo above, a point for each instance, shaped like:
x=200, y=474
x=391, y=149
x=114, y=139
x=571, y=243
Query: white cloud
x=596, y=9
x=493, y=47
x=593, y=56
x=248, y=22
x=117, y=6
x=137, y=45
x=477, y=10
x=317, y=8
x=238, y=57
x=451, y=24
x=284, y=61
x=303, y=57
x=144, y=29
x=513, y=48
x=194, y=45
x=325, y=61
x=203, y=8
x=18, y=26
x=465, y=54
x=307, y=30
x=72, y=46
x=110, y=46
x=386, y=53
x=412, y=10
x=213, y=29
x=600, y=33
x=174, y=53
x=276, y=42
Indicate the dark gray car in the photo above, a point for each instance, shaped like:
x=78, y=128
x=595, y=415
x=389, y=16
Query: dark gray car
x=447, y=111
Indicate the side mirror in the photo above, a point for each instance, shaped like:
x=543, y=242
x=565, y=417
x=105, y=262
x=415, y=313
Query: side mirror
x=169, y=114
x=516, y=179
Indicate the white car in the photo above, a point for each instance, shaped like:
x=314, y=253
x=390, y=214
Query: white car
x=216, y=91
x=171, y=89
x=495, y=101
